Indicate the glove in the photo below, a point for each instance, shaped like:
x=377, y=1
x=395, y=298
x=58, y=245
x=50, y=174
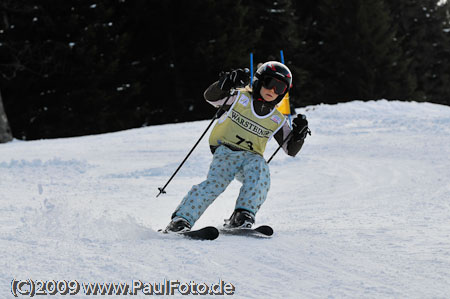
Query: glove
x=300, y=127
x=234, y=79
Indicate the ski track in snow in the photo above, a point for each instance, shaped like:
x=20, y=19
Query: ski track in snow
x=362, y=212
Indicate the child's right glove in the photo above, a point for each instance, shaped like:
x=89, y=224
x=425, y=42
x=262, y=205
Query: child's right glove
x=300, y=127
x=234, y=79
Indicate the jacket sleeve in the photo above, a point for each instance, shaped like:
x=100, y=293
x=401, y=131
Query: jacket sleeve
x=217, y=97
x=291, y=146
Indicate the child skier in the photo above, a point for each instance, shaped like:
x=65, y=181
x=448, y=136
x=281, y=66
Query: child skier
x=238, y=141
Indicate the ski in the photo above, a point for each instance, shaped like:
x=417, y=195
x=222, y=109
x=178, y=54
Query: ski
x=263, y=231
x=205, y=233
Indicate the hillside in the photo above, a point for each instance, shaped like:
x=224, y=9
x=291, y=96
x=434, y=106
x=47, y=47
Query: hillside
x=362, y=212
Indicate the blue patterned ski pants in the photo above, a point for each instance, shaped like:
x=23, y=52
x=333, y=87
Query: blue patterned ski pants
x=249, y=168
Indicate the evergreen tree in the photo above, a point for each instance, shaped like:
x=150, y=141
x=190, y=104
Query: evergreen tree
x=358, y=55
x=183, y=46
x=83, y=67
x=67, y=57
x=5, y=130
x=273, y=20
x=305, y=57
x=96, y=67
x=422, y=28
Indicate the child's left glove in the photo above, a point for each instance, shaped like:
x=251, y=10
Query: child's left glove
x=300, y=127
x=234, y=79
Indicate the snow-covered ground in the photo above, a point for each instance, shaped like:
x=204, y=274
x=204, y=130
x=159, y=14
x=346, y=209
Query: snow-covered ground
x=362, y=212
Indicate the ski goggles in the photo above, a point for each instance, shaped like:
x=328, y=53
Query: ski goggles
x=271, y=82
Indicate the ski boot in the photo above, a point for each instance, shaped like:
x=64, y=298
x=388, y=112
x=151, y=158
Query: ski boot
x=240, y=219
x=178, y=225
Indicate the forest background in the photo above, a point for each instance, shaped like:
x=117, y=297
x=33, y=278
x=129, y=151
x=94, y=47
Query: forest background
x=72, y=68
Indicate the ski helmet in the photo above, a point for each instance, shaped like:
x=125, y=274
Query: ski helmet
x=272, y=74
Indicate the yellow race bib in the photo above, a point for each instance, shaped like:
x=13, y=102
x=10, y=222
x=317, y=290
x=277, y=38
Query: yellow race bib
x=241, y=127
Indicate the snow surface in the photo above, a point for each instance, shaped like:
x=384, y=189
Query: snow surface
x=363, y=211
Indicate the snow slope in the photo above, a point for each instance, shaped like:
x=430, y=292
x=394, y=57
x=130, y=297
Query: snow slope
x=363, y=211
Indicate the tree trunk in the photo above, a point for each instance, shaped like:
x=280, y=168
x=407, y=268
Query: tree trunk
x=5, y=130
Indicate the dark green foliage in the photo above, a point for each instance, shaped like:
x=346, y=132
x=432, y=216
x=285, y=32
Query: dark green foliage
x=81, y=67
x=357, y=54
x=424, y=28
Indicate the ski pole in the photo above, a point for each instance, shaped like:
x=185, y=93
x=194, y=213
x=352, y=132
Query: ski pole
x=161, y=190
x=286, y=139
